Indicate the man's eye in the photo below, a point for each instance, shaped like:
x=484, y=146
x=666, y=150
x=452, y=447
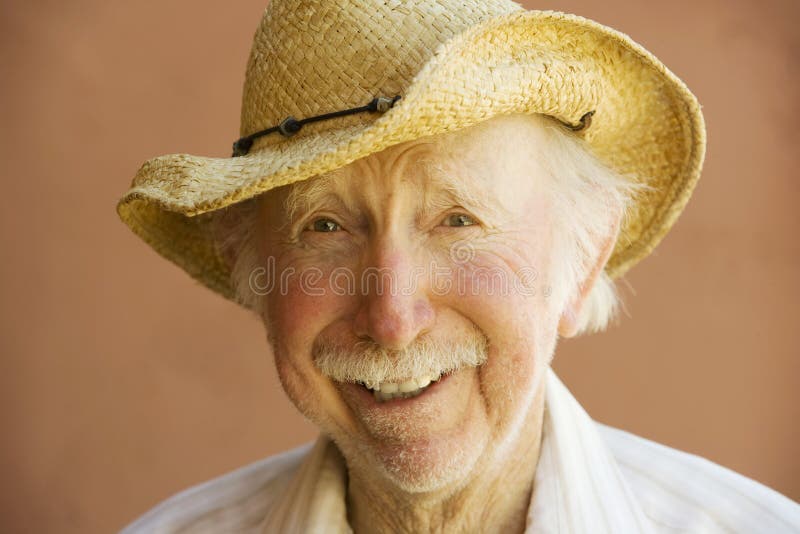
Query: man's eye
x=324, y=225
x=459, y=219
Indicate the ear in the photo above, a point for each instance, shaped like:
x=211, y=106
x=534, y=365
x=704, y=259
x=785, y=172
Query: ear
x=568, y=323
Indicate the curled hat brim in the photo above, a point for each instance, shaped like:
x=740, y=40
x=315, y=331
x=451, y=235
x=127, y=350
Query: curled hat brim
x=646, y=124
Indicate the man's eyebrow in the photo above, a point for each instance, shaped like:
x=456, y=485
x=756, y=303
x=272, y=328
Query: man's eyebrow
x=456, y=186
x=310, y=192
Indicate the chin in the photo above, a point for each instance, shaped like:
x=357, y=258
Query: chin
x=427, y=465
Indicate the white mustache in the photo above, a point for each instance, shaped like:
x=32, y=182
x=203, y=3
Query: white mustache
x=372, y=364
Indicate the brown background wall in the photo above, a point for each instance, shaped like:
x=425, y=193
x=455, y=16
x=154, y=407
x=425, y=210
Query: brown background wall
x=123, y=381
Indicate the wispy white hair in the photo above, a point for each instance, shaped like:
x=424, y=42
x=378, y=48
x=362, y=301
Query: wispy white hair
x=586, y=195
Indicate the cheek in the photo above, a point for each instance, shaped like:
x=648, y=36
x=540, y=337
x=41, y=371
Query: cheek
x=292, y=323
x=500, y=285
x=301, y=306
x=519, y=320
x=505, y=284
x=299, y=318
x=511, y=378
x=294, y=318
x=297, y=386
x=506, y=377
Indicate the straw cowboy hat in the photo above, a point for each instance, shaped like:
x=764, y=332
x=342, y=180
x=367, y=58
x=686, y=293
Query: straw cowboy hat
x=331, y=82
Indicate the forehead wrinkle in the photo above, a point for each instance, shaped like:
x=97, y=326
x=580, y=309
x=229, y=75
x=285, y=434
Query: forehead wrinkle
x=308, y=192
x=442, y=185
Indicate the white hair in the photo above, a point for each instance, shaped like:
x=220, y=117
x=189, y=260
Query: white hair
x=586, y=196
x=371, y=364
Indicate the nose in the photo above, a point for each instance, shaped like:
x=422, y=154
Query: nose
x=394, y=309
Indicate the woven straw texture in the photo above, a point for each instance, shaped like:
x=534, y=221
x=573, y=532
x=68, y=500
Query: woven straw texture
x=455, y=63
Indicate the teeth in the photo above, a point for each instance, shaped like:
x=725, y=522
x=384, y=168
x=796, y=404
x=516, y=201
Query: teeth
x=383, y=397
x=410, y=388
x=388, y=387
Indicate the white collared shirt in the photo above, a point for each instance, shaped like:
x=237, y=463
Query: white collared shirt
x=590, y=478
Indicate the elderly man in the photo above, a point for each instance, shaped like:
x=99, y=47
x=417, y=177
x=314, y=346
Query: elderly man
x=425, y=196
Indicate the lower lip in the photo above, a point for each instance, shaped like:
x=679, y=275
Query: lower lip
x=367, y=397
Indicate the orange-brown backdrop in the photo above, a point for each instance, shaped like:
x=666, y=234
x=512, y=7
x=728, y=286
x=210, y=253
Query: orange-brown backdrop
x=123, y=381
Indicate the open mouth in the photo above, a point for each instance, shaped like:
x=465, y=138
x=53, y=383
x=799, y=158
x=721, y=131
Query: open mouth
x=387, y=391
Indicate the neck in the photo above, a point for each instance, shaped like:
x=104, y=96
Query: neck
x=495, y=499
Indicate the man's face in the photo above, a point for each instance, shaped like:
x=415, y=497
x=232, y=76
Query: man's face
x=427, y=258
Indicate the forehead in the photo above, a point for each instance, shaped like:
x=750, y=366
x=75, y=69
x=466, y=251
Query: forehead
x=494, y=162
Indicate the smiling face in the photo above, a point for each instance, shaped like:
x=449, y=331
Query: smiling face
x=410, y=318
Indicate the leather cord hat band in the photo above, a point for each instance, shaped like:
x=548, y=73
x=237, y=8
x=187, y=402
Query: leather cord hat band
x=290, y=126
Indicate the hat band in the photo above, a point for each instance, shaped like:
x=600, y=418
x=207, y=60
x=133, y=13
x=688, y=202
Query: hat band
x=290, y=126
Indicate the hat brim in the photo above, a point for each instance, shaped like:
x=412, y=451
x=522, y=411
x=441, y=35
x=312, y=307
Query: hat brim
x=646, y=124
